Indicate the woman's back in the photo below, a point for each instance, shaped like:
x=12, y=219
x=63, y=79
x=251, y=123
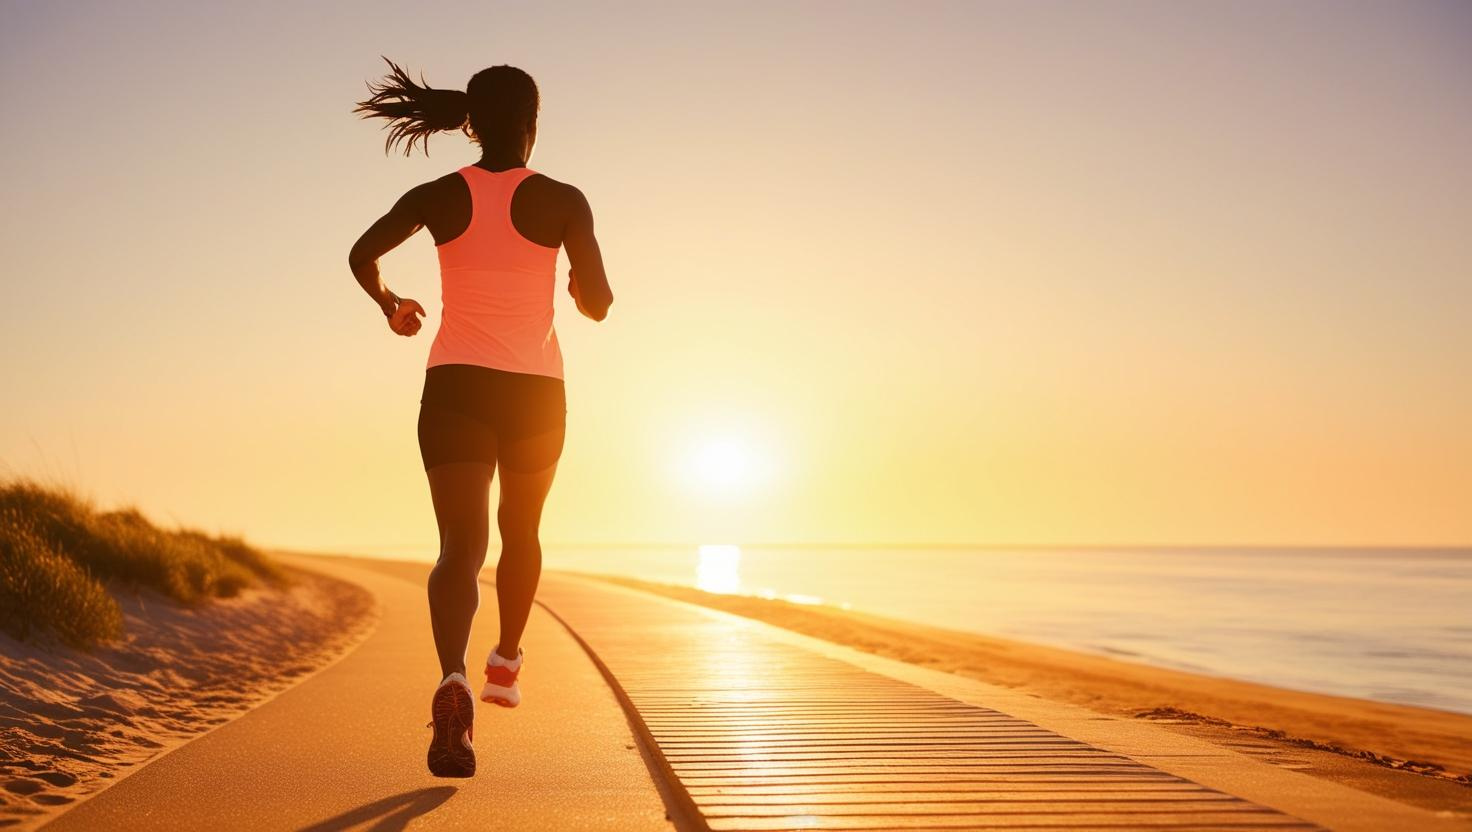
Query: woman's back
x=496, y=284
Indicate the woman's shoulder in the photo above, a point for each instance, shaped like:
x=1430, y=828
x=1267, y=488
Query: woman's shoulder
x=542, y=190
x=451, y=184
x=441, y=204
x=550, y=185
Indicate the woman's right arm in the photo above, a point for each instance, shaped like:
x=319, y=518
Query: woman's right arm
x=393, y=228
x=586, y=280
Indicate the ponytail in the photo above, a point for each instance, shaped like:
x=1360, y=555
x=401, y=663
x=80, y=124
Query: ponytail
x=414, y=111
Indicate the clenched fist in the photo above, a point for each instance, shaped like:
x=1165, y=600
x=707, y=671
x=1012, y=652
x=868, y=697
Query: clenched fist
x=406, y=318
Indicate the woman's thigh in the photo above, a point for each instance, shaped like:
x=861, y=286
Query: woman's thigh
x=447, y=435
x=461, y=492
x=523, y=494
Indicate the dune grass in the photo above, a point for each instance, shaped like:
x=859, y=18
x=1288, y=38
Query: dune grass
x=42, y=590
x=57, y=552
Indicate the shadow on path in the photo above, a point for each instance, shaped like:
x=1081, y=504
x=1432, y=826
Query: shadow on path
x=392, y=813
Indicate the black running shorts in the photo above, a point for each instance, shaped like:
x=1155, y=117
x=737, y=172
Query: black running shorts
x=479, y=414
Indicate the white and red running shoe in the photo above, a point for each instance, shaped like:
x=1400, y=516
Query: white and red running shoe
x=501, y=688
x=453, y=711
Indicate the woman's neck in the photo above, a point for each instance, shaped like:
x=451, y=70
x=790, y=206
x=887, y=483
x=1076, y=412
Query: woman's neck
x=501, y=161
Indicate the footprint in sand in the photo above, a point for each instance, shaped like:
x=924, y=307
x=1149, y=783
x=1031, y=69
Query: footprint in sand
x=60, y=779
x=52, y=799
x=24, y=785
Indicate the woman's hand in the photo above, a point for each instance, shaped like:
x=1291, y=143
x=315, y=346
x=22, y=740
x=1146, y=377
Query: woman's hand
x=405, y=318
x=572, y=289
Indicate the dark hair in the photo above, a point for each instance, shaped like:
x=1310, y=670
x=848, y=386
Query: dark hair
x=497, y=107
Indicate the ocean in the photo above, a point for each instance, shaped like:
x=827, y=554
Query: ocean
x=1393, y=625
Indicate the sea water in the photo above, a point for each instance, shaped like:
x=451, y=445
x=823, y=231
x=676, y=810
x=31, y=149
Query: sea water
x=1386, y=624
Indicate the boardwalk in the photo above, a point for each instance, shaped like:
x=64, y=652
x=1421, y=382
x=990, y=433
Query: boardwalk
x=763, y=733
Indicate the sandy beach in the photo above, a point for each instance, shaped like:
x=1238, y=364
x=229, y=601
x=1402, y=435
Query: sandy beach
x=1414, y=755
x=75, y=722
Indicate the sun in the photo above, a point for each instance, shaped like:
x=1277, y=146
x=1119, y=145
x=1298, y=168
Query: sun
x=723, y=462
x=724, y=465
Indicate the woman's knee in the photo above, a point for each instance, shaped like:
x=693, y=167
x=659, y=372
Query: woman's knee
x=463, y=553
x=518, y=529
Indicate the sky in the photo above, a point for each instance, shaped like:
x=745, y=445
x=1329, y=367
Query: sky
x=1044, y=273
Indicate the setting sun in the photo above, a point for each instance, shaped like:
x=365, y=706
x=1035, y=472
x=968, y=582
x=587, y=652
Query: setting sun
x=724, y=465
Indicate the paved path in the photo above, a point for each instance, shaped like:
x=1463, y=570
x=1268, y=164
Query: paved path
x=767, y=729
x=345, y=748
x=690, y=718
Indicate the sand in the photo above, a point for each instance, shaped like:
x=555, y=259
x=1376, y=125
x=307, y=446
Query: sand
x=1415, y=755
x=73, y=722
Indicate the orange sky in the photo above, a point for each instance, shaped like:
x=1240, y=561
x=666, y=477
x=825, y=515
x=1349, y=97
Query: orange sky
x=1045, y=273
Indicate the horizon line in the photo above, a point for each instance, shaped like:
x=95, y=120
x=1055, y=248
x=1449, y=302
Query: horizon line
x=1422, y=547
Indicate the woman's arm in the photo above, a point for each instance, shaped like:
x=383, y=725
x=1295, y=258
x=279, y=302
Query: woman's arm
x=393, y=228
x=586, y=280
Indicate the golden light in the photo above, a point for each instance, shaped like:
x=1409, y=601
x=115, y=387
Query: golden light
x=718, y=568
x=723, y=463
x=724, y=466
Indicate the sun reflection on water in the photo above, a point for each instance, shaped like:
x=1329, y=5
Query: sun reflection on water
x=718, y=568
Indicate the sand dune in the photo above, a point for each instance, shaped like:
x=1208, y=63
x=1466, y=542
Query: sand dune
x=73, y=722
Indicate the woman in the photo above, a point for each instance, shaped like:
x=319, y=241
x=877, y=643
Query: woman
x=493, y=391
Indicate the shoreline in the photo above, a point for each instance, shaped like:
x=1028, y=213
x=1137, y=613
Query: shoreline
x=1407, y=753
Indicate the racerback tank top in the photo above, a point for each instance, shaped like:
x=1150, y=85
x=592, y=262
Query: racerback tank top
x=496, y=286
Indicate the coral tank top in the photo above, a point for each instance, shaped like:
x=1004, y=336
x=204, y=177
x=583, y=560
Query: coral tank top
x=496, y=286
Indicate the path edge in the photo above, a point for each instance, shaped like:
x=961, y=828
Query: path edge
x=684, y=813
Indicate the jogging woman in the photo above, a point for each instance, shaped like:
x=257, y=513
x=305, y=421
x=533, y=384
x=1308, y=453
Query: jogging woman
x=493, y=391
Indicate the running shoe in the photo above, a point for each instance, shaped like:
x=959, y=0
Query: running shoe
x=501, y=688
x=450, y=752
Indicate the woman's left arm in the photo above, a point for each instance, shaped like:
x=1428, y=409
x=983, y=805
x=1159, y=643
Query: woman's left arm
x=393, y=228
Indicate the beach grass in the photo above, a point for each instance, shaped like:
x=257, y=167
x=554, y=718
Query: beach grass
x=59, y=553
x=43, y=590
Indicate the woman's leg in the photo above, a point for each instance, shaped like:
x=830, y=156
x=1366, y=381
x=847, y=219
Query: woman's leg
x=461, y=492
x=523, y=493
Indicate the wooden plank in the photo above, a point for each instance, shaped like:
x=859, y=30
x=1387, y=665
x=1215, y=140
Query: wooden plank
x=878, y=790
x=875, y=775
x=1200, y=822
x=1053, y=797
x=759, y=734
x=1226, y=807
